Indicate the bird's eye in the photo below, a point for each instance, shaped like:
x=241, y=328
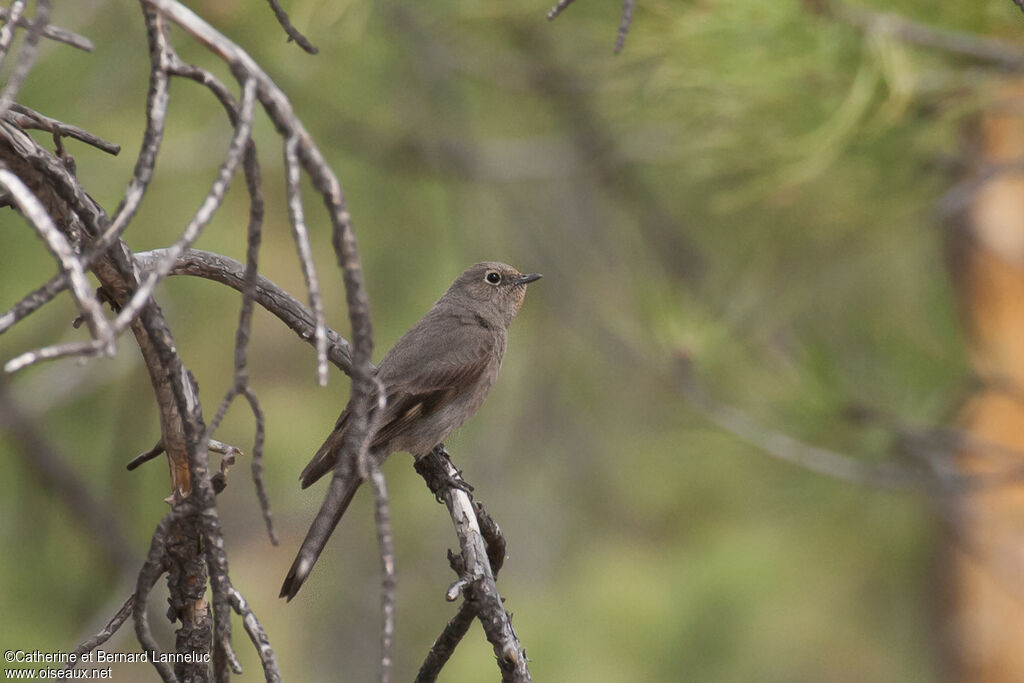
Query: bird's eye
x=493, y=277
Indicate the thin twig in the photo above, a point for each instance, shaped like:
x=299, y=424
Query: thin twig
x=1002, y=54
x=301, y=234
x=257, y=463
x=13, y=17
x=106, y=632
x=257, y=635
x=157, y=99
x=385, y=541
x=50, y=31
x=144, y=457
x=288, y=309
x=783, y=446
x=559, y=8
x=211, y=202
x=131, y=309
x=151, y=570
x=26, y=56
x=25, y=117
x=293, y=33
x=444, y=647
x=58, y=245
x=156, y=115
x=624, y=23
x=249, y=285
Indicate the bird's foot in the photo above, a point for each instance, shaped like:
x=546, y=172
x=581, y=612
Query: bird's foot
x=437, y=470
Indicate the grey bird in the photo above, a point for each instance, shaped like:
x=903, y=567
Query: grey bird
x=434, y=379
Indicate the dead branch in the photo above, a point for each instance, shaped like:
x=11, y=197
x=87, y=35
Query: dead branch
x=783, y=446
x=106, y=632
x=55, y=33
x=25, y=118
x=476, y=575
x=58, y=245
x=457, y=627
x=26, y=55
x=140, y=297
x=257, y=635
x=1000, y=54
x=288, y=309
x=298, y=221
x=13, y=18
x=293, y=33
x=625, y=21
x=385, y=541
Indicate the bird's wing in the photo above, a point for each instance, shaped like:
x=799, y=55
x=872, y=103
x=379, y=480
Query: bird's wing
x=425, y=371
x=422, y=372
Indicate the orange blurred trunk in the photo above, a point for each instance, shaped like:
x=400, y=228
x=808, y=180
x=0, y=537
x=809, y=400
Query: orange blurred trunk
x=984, y=620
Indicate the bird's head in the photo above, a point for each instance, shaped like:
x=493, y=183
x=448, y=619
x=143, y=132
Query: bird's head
x=494, y=289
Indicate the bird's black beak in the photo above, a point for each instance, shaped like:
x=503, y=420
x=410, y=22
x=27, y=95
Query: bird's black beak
x=526, y=279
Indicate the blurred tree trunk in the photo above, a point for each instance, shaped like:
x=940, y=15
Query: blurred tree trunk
x=984, y=617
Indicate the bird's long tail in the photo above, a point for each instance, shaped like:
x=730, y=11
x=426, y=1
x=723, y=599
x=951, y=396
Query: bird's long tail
x=342, y=489
x=326, y=457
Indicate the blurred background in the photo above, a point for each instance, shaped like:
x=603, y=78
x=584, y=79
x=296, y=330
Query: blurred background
x=787, y=194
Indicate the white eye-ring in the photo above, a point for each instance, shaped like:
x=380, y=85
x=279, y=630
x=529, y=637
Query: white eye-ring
x=493, y=277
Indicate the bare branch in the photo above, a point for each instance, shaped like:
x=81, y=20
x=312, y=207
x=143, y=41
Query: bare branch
x=130, y=310
x=979, y=48
x=279, y=109
x=24, y=117
x=106, y=632
x=298, y=222
x=559, y=8
x=35, y=300
x=156, y=114
x=477, y=577
x=257, y=635
x=783, y=446
x=50, y=31
x=293, y=33
x=151, y=570
x=288, y=309
x=257, y=463
x=624, y=23
x=58, y=245
x=444, y=647
x=26, y=55
x=13, y=17
x=154, y=452
x=457, y=627
x=209, y=206
x=84, y=349
x=385, y=541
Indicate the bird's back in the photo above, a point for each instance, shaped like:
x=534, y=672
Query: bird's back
x=433, y=382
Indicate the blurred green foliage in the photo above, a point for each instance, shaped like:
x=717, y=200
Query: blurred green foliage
x=752, y=182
